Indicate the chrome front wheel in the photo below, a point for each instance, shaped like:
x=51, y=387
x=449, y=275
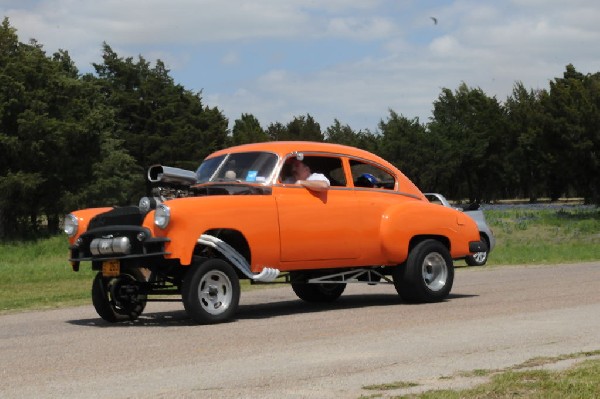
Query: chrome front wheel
x=215, y=292
x=211, y=291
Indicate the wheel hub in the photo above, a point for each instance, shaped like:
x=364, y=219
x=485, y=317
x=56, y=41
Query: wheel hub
x=434, y=271
x=216, y=292
x=213, y=291
x=124, y=292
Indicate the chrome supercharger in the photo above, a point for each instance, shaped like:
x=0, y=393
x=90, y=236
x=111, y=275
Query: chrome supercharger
x=168, y=182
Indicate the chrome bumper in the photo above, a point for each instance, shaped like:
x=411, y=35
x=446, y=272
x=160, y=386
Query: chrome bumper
x=110, y=246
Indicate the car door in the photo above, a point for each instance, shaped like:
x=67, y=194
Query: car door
x=317, y=226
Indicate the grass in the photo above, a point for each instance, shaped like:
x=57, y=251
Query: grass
x=37, y=275
x=391, y=385
x=544, y=235
x=579, y=381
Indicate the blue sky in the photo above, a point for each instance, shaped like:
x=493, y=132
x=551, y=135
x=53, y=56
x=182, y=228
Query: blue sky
x=349, y=60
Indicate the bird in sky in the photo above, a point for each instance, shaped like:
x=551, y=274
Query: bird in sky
x=434, y=19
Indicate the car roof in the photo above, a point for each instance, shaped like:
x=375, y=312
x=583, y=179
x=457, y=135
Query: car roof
x=286, y=147
x=283, y=148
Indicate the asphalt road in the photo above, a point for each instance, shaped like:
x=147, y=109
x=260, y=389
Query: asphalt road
x=281, y=347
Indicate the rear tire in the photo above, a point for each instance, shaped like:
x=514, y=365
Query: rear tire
x=319, y=292
x=117, y=298
x=427, y=275
x=211, y=291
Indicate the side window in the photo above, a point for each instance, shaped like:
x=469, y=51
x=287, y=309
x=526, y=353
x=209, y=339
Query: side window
x=371, y=176
x=331, y=167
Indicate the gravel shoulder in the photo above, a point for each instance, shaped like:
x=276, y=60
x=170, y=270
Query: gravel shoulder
x=280, y=346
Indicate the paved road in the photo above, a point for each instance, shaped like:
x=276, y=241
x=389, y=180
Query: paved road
x=281, y=347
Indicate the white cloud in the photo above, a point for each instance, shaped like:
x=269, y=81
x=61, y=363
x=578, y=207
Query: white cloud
x=485, y=47
x=360, y=28
x=231, y=58
x=445, y=46
x=380, y=54
x=81, y=26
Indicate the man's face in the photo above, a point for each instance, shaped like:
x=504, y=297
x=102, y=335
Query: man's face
x=300, y=170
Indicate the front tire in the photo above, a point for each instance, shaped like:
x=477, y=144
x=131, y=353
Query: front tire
x=118, y=298
x=211, y=291
x=427, y=275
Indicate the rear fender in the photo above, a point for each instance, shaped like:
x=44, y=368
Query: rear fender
x=404, y=222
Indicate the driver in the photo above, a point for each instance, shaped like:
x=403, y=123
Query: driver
x=301, y=174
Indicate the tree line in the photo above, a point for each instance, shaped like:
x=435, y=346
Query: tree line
x=70, y=140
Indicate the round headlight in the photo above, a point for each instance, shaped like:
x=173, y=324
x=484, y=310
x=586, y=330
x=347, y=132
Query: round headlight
x=162, y=215
x=71, y=225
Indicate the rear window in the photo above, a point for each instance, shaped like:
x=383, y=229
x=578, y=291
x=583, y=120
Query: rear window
x=371, y=176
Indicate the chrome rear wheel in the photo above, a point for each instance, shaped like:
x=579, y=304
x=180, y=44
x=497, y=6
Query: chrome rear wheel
x=427, y=275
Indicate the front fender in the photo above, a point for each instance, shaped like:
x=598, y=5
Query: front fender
x=83, y=218
x=254, y=217
x=402, y=222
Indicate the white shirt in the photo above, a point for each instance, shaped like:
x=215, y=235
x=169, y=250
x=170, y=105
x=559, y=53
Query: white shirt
x=318, y=177
x=313, y=176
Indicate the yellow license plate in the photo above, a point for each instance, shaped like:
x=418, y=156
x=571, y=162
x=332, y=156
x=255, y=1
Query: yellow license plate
x=111, y=268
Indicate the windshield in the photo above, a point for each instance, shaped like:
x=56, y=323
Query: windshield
x=255, y=167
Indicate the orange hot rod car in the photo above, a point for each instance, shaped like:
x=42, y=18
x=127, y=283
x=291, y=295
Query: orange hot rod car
x=243, y=215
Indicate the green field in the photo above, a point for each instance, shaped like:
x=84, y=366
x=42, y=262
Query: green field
x=37, y=275
x=539, y=235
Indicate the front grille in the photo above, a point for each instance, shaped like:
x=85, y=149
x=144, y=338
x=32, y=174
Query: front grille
x=124, y=216
x=117, y=234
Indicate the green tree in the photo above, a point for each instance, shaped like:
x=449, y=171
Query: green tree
x=341, y=134
x=401, y=143
x=52, y=131
x=301, y=128
x=247, y=129
x=369, y=141
x=572, y=134
x=304, y=128
x=158, y=120
x=114, y=175
x=30, y=131
x=473, y=126
x=344, y=134
x=276, y=131
x=526, y=157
